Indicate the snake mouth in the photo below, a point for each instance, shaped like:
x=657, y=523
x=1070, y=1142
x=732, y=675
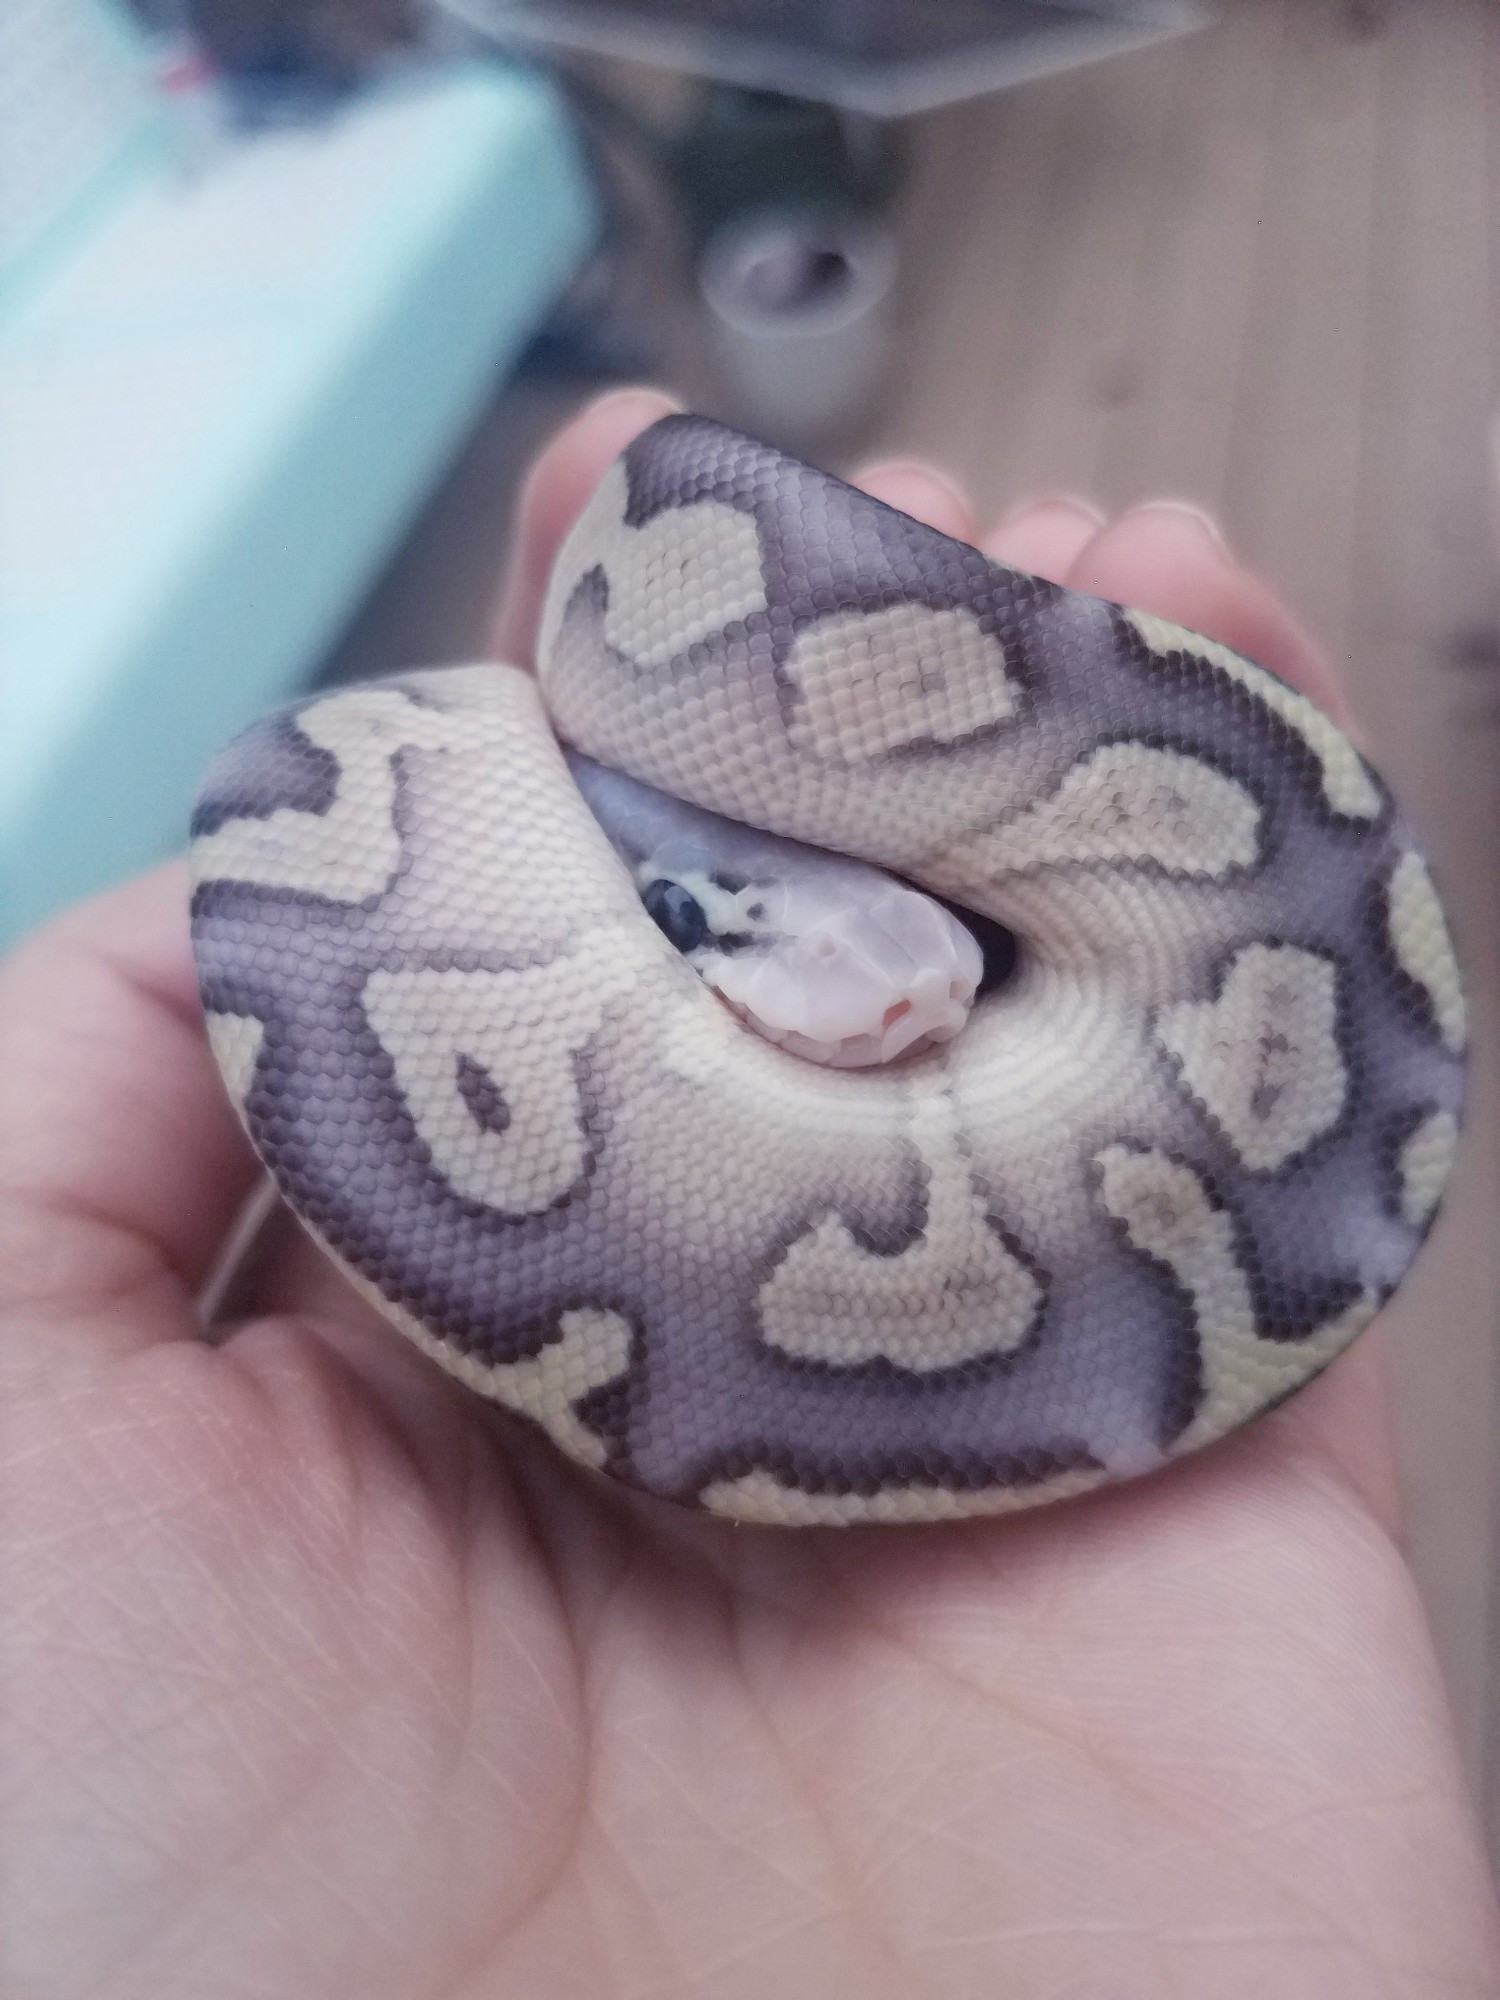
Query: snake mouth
x=998, y=947
x=889, y=1047
x=933, y=1013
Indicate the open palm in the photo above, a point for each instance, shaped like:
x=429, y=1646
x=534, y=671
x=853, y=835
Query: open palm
x=319, y=1678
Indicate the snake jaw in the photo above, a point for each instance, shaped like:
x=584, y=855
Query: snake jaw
x=856, y=984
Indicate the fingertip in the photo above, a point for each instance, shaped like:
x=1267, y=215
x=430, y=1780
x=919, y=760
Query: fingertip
x=913, y=487
x=1192, y=520
x=1044, y=537
x=1170, y=550
x=1170, y=558
x=142, y=927
x=602, y=429
x=556, y=490
x=117, y=1138
x=1345, y=1417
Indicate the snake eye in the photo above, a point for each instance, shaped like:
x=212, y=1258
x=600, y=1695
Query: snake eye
x=677, y=915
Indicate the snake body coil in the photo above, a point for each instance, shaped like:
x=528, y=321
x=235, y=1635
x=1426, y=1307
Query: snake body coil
x=1165, y=1173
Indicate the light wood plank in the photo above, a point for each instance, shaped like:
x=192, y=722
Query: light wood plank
x=1294, y=445
x=1171, y=433
x=1278, y=299
x=1424, y=570
x=1181, y=339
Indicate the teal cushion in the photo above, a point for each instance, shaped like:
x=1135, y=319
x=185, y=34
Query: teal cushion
x=219, y=412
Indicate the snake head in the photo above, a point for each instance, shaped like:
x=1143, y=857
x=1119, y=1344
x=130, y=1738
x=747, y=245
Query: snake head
x=833, y=960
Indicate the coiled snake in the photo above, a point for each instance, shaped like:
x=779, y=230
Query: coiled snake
x=1170, y=1166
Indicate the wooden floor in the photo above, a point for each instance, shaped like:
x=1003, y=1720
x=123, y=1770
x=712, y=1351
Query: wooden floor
x=1256, y=268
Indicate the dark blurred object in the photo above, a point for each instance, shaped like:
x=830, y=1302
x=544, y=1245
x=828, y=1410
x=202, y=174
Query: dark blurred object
x=744, y=149
x=798, y=306
x=882, y=57
x=813, y=180
x=779, y=211
x=333, y=42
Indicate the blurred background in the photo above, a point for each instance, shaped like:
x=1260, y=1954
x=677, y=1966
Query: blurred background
x=292, y=290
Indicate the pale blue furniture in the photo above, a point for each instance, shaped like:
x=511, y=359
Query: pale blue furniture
x=221, y=402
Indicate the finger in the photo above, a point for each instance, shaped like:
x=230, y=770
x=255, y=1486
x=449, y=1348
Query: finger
x=556, y=491
x=921, y=491
x=1045, y=537
x=283, y=1271
x=1170, y=558
x=121, y=1163
x=1345, y=1420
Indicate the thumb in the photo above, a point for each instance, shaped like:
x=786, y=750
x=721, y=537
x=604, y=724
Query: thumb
x=121, y=1163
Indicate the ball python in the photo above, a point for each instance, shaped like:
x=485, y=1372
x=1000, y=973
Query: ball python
x=1176, y=1156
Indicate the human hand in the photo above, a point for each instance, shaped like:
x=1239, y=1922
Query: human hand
x=320, y=1678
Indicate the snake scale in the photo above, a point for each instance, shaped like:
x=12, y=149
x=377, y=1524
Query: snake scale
x=1169, y=1168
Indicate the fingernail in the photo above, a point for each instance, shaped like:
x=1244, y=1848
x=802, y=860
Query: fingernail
x=920, y=491
x=1054, y=503
x=919, y=474
x=640, y=395
x=1187, y=510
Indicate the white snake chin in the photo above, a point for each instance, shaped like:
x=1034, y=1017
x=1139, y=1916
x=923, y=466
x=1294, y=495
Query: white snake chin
x=1163, y=1175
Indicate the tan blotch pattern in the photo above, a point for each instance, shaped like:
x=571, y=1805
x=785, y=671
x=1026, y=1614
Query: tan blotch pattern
x=1423, y=947
x=1347, y=785
x=1167, y=1215
x=592, y=1350
x=523, y=1030
x=1263, y=1059
x=955, y=1294
x=1242, y=1378
x=762, y=1497
x=1424, y=1165
x=683, y=576
x=1125, y=803
x=351, y=851
x=235, y=1040
x=872, y=682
